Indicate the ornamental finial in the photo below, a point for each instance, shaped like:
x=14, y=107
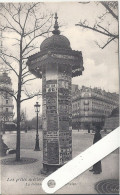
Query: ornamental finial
x=56, y=26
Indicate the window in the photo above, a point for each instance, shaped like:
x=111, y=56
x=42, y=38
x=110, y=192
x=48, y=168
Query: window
x=86, y=102
x=6, y=101
x=6, y=95
x=6, y=109
x=86, y=113
x=86, y=108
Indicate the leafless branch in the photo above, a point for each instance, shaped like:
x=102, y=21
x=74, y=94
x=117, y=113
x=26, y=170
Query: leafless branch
x=3, y=37
x=8, y=91
x=10, y=56
x=28, y=13
x=26, y=75
x=110, y=10
x=12, y=16
x=29, y=52
x=30, y=97
x=38, y=28
x=103, y=15
x=33, y=40
x=17, y=91
x=8, y=64
x=11, y=26
x=110, y=40
x=24, y=68
x=25, y=72
x=97, y=30
x=28, y=80
x=98, y=27
x=104, y=29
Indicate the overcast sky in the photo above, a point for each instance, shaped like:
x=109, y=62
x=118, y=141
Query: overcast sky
x=101, y=66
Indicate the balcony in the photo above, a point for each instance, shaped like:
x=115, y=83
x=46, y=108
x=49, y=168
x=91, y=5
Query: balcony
x=5, y=114
x=6, y=105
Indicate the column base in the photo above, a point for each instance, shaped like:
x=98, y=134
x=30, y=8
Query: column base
x=48, y=169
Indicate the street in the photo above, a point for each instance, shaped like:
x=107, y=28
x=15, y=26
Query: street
x=81, y=140
x=29, y=178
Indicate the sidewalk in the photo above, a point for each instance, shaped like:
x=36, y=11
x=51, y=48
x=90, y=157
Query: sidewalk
x=26, y=178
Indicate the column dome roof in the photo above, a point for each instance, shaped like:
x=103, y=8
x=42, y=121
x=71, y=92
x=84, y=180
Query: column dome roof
x=55, y=41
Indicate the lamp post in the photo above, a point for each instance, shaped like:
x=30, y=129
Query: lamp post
x=37, y=109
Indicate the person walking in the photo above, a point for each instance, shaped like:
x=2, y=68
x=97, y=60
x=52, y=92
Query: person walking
x=97, y=168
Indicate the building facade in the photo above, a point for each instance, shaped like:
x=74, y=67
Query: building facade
x=112, y=122
x=91, y=106
x=6, y=103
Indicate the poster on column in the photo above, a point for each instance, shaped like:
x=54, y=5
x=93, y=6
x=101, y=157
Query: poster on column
x=59, y=96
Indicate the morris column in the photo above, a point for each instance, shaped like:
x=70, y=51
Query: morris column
x=56, y=64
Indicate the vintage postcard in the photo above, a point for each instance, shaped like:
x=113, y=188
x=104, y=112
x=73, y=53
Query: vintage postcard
x=59, y=94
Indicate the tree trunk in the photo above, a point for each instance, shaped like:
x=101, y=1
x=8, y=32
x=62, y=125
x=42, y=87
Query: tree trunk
x=18, y=105
x=18, y=131
x=18, y=119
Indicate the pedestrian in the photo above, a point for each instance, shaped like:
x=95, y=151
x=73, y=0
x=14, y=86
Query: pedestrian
x=97, y=168
x=3, y=147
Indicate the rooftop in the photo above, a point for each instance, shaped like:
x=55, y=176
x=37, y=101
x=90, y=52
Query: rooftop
x=56, y=41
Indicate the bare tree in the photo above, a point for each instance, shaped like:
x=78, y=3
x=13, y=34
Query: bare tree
x=23, y=24
x=103, y=24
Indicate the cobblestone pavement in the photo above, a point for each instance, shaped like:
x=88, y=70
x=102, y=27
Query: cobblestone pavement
x=26, y=178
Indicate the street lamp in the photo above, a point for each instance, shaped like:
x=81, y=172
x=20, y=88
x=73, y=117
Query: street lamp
x=37, y=110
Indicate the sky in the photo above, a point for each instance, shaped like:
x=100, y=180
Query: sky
x=101, y=66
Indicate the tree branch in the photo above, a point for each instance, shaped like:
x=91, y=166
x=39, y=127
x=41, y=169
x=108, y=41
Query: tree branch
x=104, y=29
x=9, y=92
x=33, y=40
x=35, y=29
x=11, y=26
x=8, y=64
x=10, y=56
x=96, y=30
x=12, y=16
x=108, y=8
x=26, y=75
x=3, y=37
x=28, y=80
x=106, y=43
x=30, y=97
x=29, y=51
x=25, y=72
x=28, y=14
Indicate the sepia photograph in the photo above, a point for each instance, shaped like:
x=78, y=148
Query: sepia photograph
x=59, y=96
